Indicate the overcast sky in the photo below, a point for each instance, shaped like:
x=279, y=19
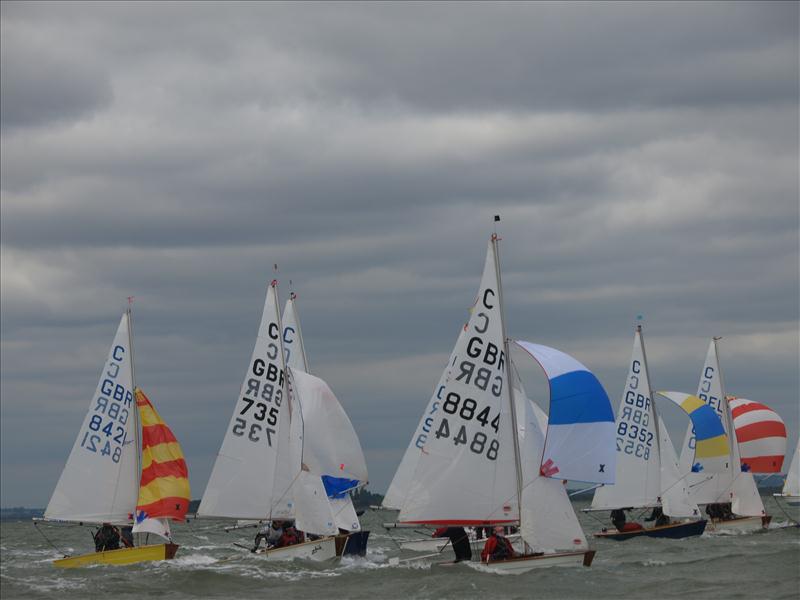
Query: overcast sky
x=644, y=159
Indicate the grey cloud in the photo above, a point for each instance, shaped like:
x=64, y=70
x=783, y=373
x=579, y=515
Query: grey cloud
x=644, y=159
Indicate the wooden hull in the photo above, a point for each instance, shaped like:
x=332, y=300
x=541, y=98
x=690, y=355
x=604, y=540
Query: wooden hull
x=123, y=556
x=317, y=550
x=671, y=531
x=523, y=564
x=740, y=524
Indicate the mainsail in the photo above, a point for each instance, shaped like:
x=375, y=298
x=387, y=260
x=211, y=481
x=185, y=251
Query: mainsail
x=164, y=492
x=466, y=471
x=241, y=482
x=101, y=478
x=732, y=485
x=638, y=471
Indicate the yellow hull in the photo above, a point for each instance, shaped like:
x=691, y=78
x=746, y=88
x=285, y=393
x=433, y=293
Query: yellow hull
x=123, y=556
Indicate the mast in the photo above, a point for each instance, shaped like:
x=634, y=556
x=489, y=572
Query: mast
x=652, y=408
x=135, y=408
x=509, y=380
x=726, y=412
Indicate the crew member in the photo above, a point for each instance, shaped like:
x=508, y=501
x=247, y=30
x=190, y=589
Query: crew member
x=459, y=540
x=497, y=547
x=106, y=538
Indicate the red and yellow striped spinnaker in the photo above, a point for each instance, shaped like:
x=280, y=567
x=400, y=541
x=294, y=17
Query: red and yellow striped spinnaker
x=164, y=487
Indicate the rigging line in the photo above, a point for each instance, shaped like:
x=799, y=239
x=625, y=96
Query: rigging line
x=46, y=539
x=791, y=520
x=589, y=489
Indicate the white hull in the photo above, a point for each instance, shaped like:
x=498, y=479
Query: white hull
x=318, y=550
x=738, y=525
x=523, y=564
x=437, y=544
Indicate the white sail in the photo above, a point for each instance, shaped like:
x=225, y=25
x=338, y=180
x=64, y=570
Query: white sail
x=344, y=513
x=241, y=482
x=732, y=485
x=159, y=527
x=707, y=488
x=289, y=456
x=330, y=444
x=791, y=487
x=547, y=519
x=401, y=481
x=100, y=482
x=328, y=435
x=466, y=473
x=293, y=346
x=638, y=471
x=674, y=491
x=312, y=509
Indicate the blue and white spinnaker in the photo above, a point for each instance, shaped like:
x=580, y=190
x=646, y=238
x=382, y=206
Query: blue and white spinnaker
x=580, y=443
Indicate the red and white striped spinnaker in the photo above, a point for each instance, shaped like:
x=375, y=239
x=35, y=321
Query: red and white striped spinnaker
x=761, y=434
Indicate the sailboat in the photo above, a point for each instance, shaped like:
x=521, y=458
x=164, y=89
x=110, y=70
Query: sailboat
x=733, y=484
x=647, y=470
x=331, y=440
x=474, y=467
x=791, y=486
x=267, y=468
x=126, y=467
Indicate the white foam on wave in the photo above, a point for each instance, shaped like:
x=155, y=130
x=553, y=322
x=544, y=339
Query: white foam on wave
x=194, y=560
x=654, y=563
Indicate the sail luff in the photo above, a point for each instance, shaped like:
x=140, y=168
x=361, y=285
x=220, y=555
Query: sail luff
x=137, y=420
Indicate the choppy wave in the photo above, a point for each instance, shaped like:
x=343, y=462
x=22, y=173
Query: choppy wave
x=208, y=565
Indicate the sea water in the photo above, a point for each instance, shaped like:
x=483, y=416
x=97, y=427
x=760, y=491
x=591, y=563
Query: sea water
x=209, y=565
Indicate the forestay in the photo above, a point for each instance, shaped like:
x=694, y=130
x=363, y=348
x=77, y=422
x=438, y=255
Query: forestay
x=638, y=467
x=580, y=434
x=100, y=480
x=761, y=435
x=466, y=472
x=241, y=482
x=401, y=481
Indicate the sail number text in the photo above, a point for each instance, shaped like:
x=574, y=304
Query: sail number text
x=107, y=431
x=633, y=433
x=467, y=411
x=260, y=402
